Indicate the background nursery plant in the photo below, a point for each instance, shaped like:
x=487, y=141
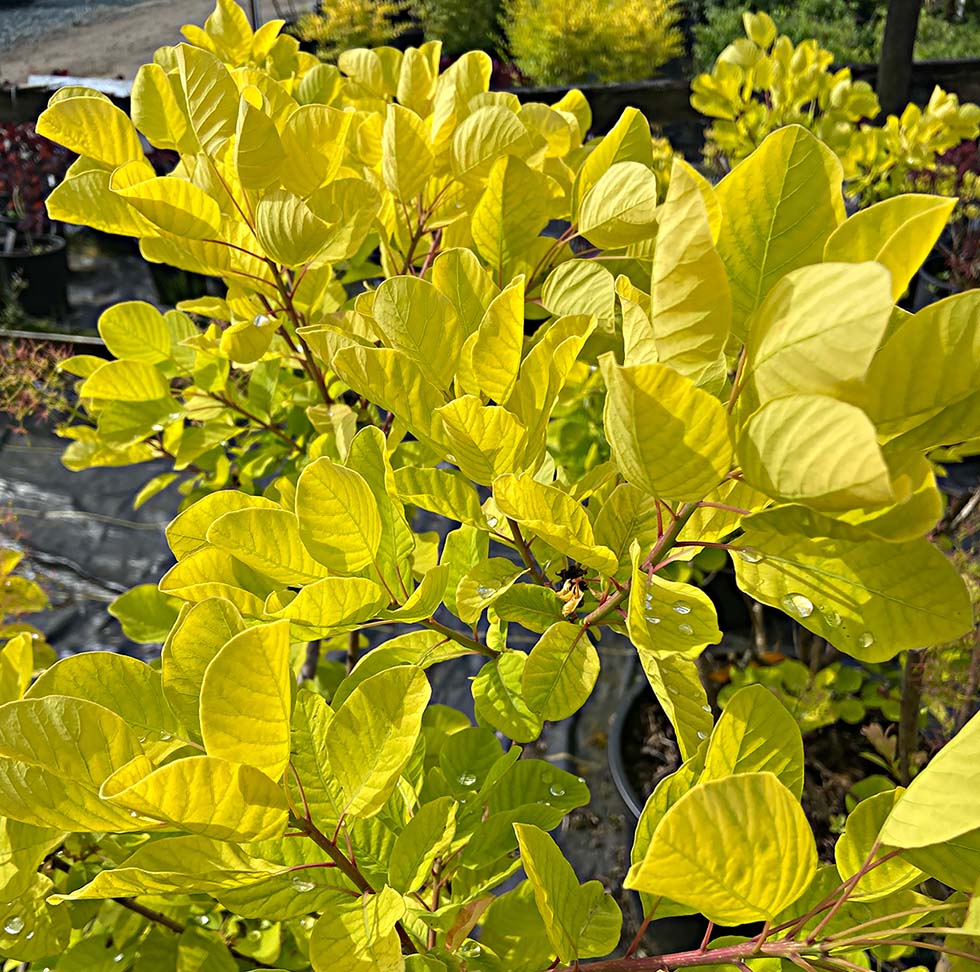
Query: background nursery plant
x=761, y=394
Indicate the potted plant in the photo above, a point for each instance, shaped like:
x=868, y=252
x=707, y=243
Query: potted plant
x=33, y=259
x=257, y=820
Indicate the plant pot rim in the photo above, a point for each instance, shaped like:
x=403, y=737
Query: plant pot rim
x=617, y=765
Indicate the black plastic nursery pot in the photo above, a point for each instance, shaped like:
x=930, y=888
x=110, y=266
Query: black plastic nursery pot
x=930, y=284
x=42, y=269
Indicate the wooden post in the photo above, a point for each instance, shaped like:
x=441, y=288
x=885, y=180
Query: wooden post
x=895, y=63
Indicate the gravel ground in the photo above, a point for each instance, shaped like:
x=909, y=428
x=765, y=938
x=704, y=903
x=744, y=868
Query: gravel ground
x=96, y=38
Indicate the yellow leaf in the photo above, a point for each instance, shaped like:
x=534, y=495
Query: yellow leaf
x=780, y=206
x=897, y=232
x=815, y=450
x=555, y=517
x=156, y=112
x=137, y=331
x=491, y=357
x=483, y=440
x=690, y=296
x=313, y=137
x=203, y=795
x=259, y=153
x=267, y=540
x=406, y=163
x=287, y=228
x=760, y=861
x=667, y=436
x=126, y=381
x=621, y=208
x=173, y=204
x=245, y=699
x=93, y=128
x=338, y=516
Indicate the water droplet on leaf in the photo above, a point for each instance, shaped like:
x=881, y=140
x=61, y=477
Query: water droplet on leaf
x=491, y=521
x=652, y=619
x=470, y=949
x=866, y=639
x=466, y=779
x=118, y=957
x=685, y=629
x=13, y=925
x=485, y=592
x=798, y=605
x=302, y=885
x=254, y=935
x=701, y=735
x=832, y=618
x=750, y=555
x=556, y=790
x=681, y=608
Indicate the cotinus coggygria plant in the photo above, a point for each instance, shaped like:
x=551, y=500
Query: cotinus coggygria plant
x=760, y=394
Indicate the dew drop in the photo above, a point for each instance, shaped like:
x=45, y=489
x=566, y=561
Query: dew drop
x=204, y=920
x=648, y=600
x=13, y=925
x=156, y=428
x=685, y=629
x=261, y=320
x=581, y=779
x=866, y=639
x=143, y=738
x=701, y=735
x=652, y=619
x=302, y=885
x=470, y=949
x=485, y=592
x=29, y=935
x=491, y=521
x=750, y=555
x=118, y=957
x=254, y=935
x=832, y=618
x=681, y=608
x=133, y=813
x=705, y=708
x=166, y=736
x=798, y=605
x=307, y=922
x=466, y=779
x=556, y=790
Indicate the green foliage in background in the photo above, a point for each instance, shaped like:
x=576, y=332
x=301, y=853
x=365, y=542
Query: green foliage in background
x=461, y=27
x=761, y=395
x=553, y=42
x=852, y=31
x=340, y=25
x=763, y=81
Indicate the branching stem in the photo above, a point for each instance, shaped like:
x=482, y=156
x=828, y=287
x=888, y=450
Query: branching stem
x=460, y=638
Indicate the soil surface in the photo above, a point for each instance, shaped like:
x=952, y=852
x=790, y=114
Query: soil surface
x=833, y=764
